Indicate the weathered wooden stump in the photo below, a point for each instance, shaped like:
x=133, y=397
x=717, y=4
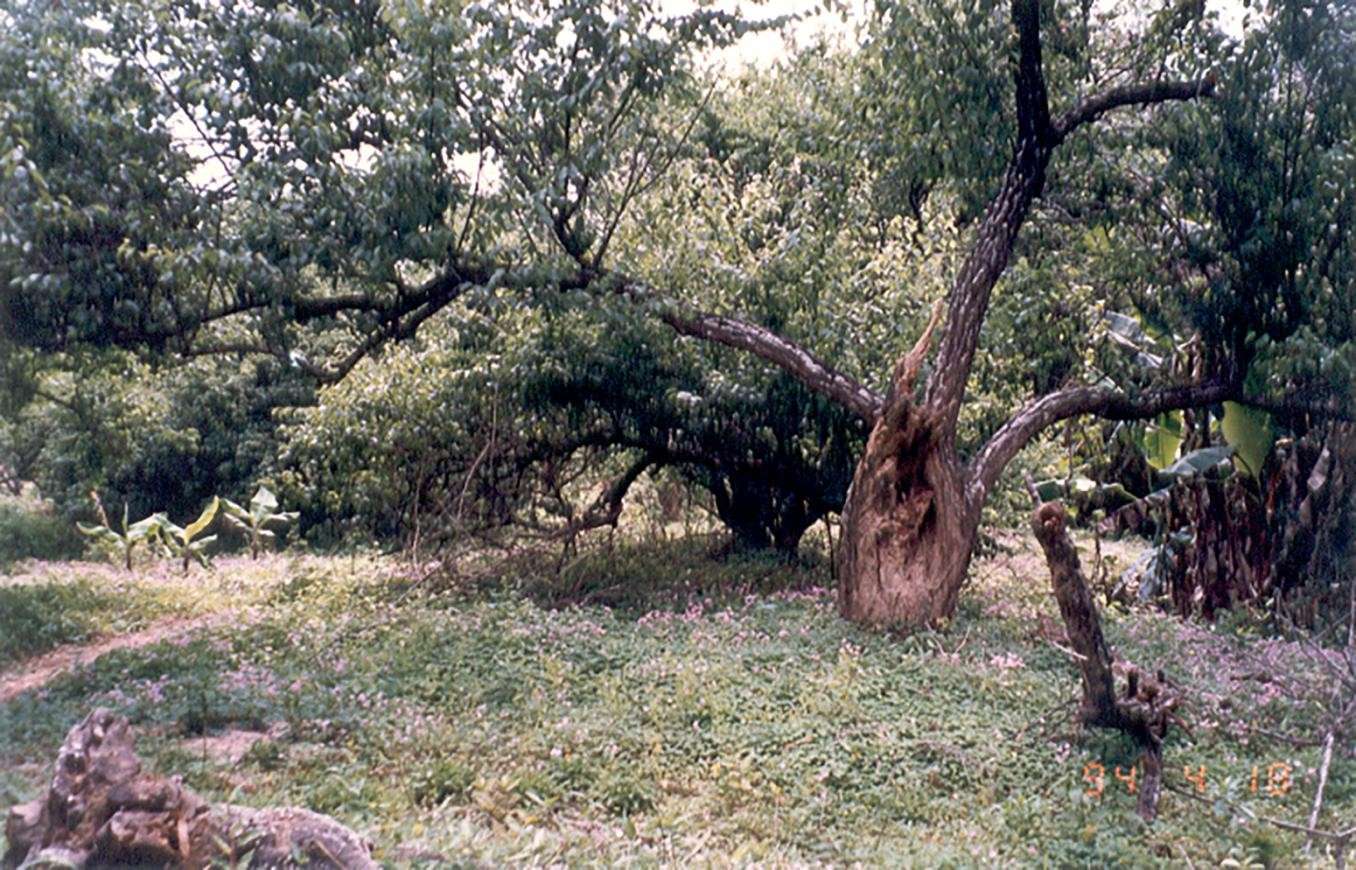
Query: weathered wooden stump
x=102, y=810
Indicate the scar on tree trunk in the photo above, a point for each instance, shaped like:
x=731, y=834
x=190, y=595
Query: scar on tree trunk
x=1145, y=709
x=907, y=527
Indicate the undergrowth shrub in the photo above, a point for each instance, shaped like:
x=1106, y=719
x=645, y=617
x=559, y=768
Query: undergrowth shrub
x=30, y=529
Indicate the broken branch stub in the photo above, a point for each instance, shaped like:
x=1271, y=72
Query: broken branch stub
x=102, y=810
x=1147, y=706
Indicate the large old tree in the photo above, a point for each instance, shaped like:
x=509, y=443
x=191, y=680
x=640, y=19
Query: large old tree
x=312, y=182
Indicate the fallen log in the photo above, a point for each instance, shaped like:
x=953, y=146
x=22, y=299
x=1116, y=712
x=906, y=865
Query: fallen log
x=1145, y=709
x=102, y=810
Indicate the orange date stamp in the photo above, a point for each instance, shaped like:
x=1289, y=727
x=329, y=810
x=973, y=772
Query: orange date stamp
x=1274, y=780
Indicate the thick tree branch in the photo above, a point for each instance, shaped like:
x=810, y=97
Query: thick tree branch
x=1141, y=94
x=1111, y=404
x=784, y=353
x=1023, y=181
x=1037, y=137
x=1031, y=420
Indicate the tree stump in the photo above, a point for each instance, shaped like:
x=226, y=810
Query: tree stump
x=102, y=810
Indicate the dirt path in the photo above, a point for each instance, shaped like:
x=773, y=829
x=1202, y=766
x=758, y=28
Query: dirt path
x=38, y=671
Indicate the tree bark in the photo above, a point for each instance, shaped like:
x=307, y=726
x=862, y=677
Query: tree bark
x=907, y=532
x=1146, y=709
x=908, y=527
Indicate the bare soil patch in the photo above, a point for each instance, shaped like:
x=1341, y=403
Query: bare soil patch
x=229, y=747
x=36, y=672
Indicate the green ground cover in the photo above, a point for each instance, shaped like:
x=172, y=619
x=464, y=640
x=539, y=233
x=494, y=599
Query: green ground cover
x=711, y=713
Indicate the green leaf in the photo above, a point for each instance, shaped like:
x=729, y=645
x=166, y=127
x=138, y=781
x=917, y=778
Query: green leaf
x=148, y=527
x=101, y=532
x=203, y=521
x=1162, y=439
x=264, y=502
x=283, y=519
x=1248, y=431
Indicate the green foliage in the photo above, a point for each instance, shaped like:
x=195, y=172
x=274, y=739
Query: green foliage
x=123, y=540
x=710, y=726
x=43, y=607
x=184, y=542
x=571, y=102
x=550, y=405
x=158, y=439
x=442, y=780
x=1248, y=431
x=1162, y=439
x=255, y=522
x=771, y=226
x=1270, y=247
x=31, y=529
x=33, y=619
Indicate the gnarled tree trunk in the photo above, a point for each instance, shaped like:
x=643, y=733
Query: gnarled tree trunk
x=909, y=526
x=911, y=516
x=907, y=531
x=913, y=511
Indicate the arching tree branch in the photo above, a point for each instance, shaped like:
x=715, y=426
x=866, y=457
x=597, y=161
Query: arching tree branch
x=1110, y=404
x=1141, y=94
x=783, y=353
x=1031, y=420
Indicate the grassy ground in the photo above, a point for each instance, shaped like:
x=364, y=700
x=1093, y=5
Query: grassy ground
x=46, y=604
x=691, y=713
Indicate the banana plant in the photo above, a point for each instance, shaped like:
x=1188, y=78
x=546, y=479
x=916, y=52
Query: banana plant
x=125, y=541
x=263, y=512
x=1250, y=433
x=184, y=540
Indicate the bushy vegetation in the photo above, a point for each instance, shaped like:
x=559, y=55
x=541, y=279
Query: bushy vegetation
x=155, y=439
x=731, y=718
x=32, y=529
